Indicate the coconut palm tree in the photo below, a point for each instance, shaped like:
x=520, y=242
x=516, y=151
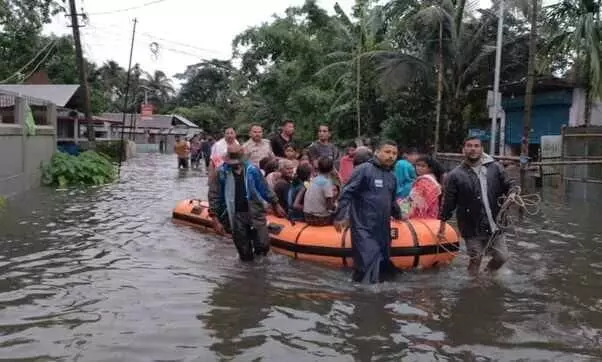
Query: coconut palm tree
x=356, y=42
x=450, y=45
x=112, y=77
x=528, y=9
x=577, y=32
x=160, y=87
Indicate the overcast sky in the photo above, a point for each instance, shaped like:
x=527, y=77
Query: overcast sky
x=186, y=30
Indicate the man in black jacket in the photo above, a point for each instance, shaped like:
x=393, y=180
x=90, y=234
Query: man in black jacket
x=472, y=190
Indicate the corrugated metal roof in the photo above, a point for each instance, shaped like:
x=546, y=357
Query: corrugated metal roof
x=154, y=121
x=186, y=121
x=58, y=94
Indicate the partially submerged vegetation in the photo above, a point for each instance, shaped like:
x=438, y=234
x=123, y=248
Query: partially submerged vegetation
x=110, y=149
x=87, y=169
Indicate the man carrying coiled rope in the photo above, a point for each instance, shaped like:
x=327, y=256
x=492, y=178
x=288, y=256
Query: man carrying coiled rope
x=472, y=190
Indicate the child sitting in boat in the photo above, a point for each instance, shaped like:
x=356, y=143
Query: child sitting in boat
x=291, y=154
x=304, y=159
x=282, y=186
x=272, y=173
x=319, y=202
x=296, y=195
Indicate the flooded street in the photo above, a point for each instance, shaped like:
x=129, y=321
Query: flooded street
x=104, y=275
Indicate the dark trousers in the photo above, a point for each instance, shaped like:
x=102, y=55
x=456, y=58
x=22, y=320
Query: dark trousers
x=250, y=235
x=183, y=162
x=195, y=160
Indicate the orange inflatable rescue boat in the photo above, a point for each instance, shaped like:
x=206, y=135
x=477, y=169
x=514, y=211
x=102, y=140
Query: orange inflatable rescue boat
x=414, y=242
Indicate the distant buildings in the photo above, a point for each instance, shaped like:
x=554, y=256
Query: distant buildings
x=149, y=131
x=71, y=128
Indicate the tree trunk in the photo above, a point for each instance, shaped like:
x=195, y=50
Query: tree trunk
x=524, y=149
x=359, y=74
x=357, y=97
x=587, y=113
x=439, y=89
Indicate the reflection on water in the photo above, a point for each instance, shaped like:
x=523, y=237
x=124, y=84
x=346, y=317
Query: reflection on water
x=104, y=275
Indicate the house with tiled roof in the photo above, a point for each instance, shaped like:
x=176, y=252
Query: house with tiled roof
x=149, y=130
x=71, y=124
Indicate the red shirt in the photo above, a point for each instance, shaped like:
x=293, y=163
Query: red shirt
x=345, y=168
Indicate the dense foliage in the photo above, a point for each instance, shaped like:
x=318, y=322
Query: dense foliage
x=87, y=169
x=373, y=72
x=110, y=149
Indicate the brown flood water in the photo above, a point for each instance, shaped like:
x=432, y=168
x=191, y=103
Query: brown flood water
x=104, y=275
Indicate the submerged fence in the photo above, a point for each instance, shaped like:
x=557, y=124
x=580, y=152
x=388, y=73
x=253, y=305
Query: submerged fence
x=582, y=154
x=578, y=167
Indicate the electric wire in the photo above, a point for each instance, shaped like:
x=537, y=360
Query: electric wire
x=35, y=68
x=19, y=72
x=110, y=12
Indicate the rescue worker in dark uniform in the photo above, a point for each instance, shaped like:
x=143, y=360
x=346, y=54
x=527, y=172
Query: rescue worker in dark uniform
x=367, y=202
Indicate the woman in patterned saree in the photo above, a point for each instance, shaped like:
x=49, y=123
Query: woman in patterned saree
x=425, y=196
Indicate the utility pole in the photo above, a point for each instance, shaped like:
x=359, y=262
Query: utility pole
x=83, y=78
x=496, y=86
x=125, y=100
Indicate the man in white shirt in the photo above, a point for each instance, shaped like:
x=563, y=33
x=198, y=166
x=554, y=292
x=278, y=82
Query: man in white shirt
x=257, y=147
x=220, y=148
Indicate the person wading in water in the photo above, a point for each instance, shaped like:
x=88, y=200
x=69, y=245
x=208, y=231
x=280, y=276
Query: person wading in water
x=472, y=189
x=236, y=201
x=367, y=202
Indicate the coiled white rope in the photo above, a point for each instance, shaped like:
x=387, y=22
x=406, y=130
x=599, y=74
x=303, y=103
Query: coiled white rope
x=529, y=204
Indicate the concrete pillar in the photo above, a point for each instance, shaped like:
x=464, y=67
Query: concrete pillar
x=52, y=119
x=76, y=129
x=20, y=121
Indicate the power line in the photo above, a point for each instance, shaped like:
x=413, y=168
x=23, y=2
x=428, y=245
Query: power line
x=111, y=29
x=81, y=65
x=153, y=37
x=172, y=50
x=18, y=72
x=35, y=68
x=115, y=36
x=128, y=9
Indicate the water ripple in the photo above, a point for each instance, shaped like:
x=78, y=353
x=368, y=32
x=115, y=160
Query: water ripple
x=104, y=275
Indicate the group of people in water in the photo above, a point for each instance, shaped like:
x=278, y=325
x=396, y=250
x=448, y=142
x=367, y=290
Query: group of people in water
x=360, y=189
x=191, y=151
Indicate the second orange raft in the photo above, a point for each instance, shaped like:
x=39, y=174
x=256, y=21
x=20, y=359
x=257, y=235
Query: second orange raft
x=414, y=243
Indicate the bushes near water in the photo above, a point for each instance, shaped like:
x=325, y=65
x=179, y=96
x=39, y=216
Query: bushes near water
x=88, y=169
x=109, y=148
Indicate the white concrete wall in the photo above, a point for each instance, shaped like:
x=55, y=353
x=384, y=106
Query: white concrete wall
x=577, y=111
x=21, y=156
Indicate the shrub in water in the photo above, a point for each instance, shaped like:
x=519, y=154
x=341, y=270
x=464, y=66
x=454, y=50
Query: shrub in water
x=89, y=168
x=109, y=148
